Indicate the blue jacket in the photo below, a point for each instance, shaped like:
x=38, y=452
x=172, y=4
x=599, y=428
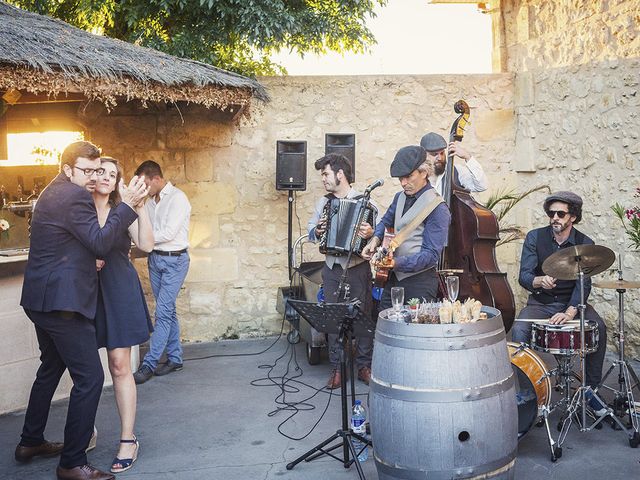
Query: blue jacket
x=66, y=239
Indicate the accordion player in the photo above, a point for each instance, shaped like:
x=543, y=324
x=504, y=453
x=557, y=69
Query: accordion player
x=343, y=218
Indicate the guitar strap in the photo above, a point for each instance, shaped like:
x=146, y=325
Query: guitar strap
x=403, y=234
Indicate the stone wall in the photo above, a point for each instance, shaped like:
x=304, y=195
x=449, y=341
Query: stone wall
x=577, y=70
x=560, y=33
x=239, y=220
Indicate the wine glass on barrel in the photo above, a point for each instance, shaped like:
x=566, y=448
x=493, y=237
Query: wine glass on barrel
x=397, y=300
x=453, y=287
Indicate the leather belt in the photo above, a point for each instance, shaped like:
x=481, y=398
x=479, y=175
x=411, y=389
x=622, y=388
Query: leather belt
x=174, y=253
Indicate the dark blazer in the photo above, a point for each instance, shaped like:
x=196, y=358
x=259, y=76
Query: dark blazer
x=66, y=239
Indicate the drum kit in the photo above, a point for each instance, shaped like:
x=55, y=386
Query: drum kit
x=569, y=341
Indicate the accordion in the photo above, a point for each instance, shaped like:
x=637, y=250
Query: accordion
x=341, y=231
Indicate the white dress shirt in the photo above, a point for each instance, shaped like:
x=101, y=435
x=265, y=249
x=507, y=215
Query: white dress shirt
x=471, y=177
x=170, y=219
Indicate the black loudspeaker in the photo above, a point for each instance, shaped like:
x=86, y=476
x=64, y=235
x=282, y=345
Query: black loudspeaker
x=344, y=144
x=291, y=165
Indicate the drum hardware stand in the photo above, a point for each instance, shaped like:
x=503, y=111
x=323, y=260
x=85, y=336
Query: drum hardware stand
x=579, y=400
x=624, y=393
x=556, y=449
x=563, y=373
x=330, y=317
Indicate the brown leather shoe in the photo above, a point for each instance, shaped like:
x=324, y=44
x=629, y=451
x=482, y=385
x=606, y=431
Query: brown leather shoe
x=364, y=374
x=47, y=449
x=83, y=472
x=334, y=380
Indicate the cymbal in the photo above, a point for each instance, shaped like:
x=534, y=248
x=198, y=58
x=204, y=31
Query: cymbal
x=567, y=263
x=616, y=284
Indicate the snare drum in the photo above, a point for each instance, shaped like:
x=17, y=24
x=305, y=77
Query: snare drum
x=533, y=386
x=564, y=339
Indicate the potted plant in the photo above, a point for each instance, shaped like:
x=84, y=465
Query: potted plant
x=630, y=219
x=413, y=303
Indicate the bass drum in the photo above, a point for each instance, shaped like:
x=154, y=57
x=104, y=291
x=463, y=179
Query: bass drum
x=533, y=386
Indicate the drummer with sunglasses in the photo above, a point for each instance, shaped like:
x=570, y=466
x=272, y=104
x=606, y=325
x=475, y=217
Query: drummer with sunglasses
x=552, y=298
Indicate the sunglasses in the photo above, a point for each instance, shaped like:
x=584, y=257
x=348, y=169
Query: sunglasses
x=560, y=213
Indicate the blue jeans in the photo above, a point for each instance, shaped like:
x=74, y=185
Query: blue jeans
x=167, y=273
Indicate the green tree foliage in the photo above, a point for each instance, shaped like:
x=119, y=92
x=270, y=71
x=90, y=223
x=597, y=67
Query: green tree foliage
x=238, y=35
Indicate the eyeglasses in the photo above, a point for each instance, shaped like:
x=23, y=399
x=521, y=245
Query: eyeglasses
x=560, y=213
x=90, y=171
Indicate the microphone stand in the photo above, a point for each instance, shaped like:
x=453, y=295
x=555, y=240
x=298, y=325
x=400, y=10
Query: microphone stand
x=343, y=286
x=345, y=336
x=344, y=294
x=345, y=315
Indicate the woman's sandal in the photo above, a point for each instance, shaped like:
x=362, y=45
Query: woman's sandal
x=120, y=465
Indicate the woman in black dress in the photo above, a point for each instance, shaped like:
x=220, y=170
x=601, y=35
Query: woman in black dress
x=122, y=317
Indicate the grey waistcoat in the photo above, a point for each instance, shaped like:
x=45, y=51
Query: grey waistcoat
x=413, y=243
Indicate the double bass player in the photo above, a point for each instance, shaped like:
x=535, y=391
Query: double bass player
x=469, y=175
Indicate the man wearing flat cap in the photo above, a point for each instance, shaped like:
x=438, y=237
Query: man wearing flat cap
x=414, y=261
x=550, y=297
x=469, y=175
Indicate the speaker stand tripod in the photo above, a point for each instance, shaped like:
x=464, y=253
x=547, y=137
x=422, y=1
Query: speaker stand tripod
x=346, y=320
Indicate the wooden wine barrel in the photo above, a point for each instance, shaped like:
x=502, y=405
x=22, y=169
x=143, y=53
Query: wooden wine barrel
x=443, y=401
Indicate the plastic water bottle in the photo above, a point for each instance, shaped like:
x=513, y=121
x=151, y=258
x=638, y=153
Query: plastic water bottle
x=359, y=426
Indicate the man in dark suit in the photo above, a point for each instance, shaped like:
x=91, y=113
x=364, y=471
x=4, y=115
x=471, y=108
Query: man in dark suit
x=59, y=295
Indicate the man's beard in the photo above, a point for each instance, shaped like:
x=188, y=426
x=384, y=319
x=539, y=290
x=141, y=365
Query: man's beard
x=438, y=168
x=333, y=187
x=559, y=228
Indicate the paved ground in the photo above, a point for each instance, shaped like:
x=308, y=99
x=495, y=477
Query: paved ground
x=219, y=419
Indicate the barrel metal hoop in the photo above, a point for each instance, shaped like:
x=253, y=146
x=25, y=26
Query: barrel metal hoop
x=439, y=343
x=470, y=472
x=412, y=394
x=443, y=330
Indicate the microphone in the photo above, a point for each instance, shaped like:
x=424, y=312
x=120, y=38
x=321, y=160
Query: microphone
x=376, y=184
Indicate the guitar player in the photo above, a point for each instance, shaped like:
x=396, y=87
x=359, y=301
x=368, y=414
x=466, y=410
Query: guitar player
x=413, y=262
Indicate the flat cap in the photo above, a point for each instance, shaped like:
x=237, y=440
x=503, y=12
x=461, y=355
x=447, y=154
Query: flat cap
x=569, y=198
x=432, y=142
x=407, y=160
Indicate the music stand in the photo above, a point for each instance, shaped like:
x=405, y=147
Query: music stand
x=346, y=320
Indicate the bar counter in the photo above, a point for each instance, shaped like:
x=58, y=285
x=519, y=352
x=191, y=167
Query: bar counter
x=19, y=352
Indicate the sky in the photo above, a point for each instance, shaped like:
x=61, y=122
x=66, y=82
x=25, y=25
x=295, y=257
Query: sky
x=414, y=37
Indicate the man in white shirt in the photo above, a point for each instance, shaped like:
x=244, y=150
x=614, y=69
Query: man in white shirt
x=169, y=210
x=468, y=174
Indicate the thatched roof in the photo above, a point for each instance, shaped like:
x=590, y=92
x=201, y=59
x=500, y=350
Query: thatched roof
x=40, y=54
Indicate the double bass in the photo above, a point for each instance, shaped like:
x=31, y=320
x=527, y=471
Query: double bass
x=473, y=234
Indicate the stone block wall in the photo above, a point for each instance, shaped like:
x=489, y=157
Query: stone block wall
x=577, y=77
x=239, y=221
x=569, y=128
x=560, y=33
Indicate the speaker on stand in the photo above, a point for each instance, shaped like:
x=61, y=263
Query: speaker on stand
x=291, y=175
x=344, y=144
